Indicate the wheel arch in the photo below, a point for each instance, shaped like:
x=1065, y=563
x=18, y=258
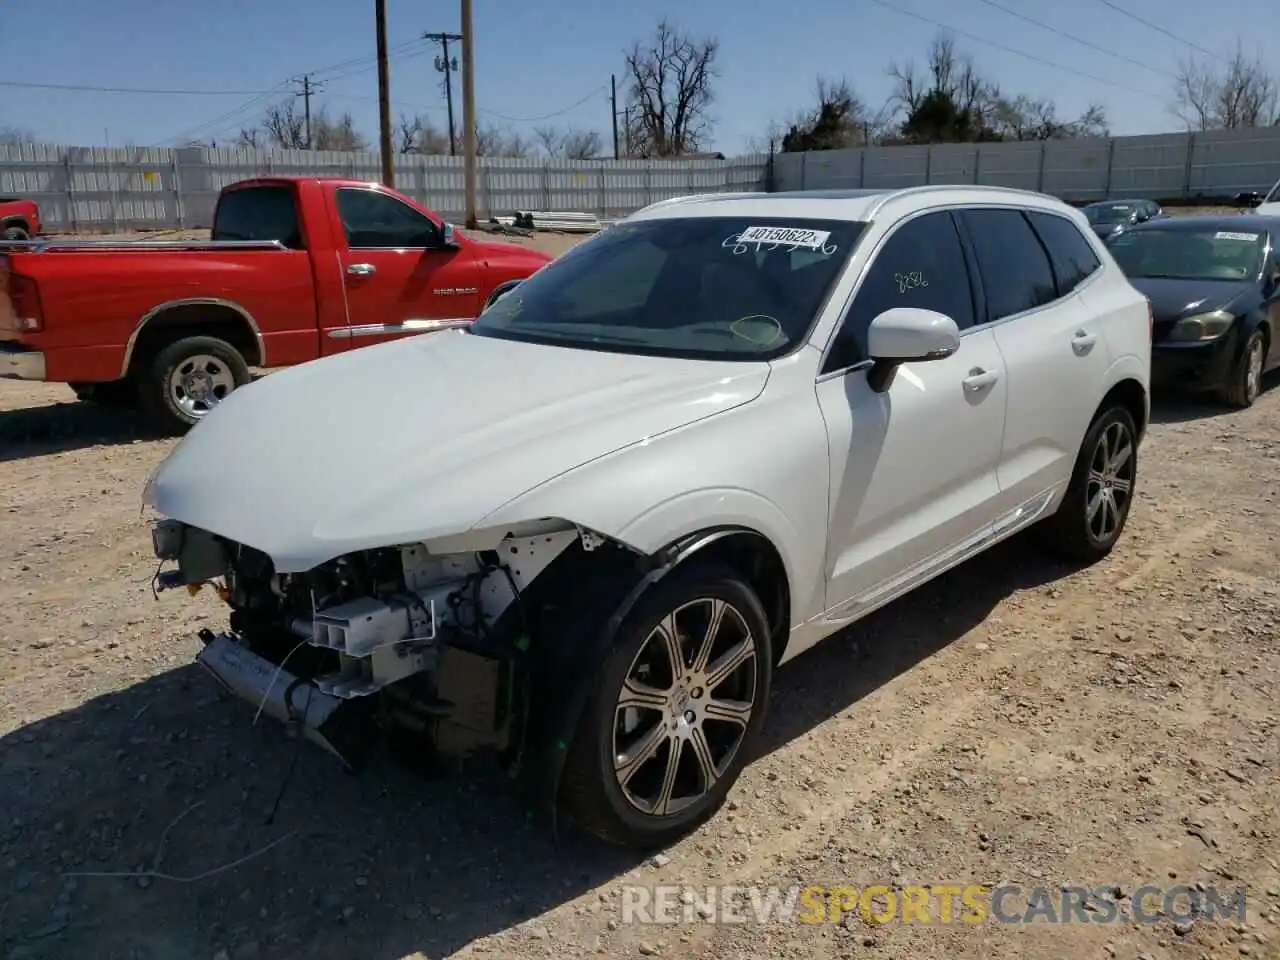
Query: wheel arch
x=198, y=316
x=1129, y=393
x=16, y=222
x=503, y=288
x=623, y=580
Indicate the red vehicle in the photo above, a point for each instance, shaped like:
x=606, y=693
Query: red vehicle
x=19, y=219
x=295, y=269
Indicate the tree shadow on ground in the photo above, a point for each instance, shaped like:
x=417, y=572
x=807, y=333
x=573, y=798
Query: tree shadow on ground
x=376, y=866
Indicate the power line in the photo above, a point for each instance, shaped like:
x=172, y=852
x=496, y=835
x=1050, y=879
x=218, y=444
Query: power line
x=219, y=122
x=545, y=116
x=1080, y=40
x=145, y=91
x=1000, y=46
x=1156, y=27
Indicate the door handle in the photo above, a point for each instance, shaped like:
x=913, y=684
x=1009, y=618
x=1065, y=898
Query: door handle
x=979, y=379
x=361, y=269
x=1083, y=341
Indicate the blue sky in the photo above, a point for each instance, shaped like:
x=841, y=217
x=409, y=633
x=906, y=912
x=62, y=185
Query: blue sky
x=555, y=57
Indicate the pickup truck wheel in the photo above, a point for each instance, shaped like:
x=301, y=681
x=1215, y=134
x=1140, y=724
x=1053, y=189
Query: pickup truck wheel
x=16, y=233
x=188, y=378
x=1093, y=513
x=674, y=711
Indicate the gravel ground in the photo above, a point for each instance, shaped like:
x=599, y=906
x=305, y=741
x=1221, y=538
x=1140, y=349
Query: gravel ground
x=1013, y=722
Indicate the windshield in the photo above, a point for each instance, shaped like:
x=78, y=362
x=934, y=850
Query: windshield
x=715, y=288
x=1109, y=213
x=1189, y=254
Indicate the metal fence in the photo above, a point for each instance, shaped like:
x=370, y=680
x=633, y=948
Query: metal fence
x=1210, y=165
x=83, y=189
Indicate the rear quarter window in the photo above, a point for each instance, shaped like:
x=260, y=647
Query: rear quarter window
x=1070, y=254
x=258, y=213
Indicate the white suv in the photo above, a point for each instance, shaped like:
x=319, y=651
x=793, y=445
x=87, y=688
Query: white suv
x=585, y=531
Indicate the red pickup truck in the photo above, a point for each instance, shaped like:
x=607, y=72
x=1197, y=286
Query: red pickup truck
x=19, y=219
x=295, y=269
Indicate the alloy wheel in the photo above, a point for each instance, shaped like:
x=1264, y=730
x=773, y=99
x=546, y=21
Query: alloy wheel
x=684, y=707
x=199, y=383
x=1253, y=370
x=1109, y=486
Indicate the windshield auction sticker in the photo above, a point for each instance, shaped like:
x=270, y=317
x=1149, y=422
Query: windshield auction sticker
x=1229, y=235
x=799, y=238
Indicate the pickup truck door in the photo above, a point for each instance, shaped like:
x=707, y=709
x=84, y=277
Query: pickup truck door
x=398, y=277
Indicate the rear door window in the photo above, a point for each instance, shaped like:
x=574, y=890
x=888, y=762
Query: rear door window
x=1070, y=253
x=258, y=213
x=1016, y=274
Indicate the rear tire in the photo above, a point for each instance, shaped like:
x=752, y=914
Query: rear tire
x=1246, y=378
x=182, y=382
x=701, y=720
x=16, y=233
x=112, y=394
x=1093, y=513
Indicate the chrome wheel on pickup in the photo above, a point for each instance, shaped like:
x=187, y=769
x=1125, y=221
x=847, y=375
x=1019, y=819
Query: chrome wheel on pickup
x=675, y=711
x=188, y=378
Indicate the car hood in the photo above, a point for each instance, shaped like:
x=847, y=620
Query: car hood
x=420, y=438
x=1106, y=230
x=1171, y=299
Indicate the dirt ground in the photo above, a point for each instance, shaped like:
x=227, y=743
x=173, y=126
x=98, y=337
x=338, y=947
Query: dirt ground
x=1014, y=722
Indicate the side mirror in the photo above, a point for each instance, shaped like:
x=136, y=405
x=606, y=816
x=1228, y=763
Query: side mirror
x=448, y=238
x=907, y=335
x=1249, y=198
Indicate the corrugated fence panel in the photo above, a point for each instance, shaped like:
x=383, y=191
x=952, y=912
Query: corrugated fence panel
x=1150, y=166
x=889, y=168
x=1226, y=162
x=1077, y=169
x=95, y=188
x=1013, y=165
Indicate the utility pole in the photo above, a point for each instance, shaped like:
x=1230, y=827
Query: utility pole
x=468, y=114
x=446, y=66
x=308, y=90
x=384, y=95
x=613, y=111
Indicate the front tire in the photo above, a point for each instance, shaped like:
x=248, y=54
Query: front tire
x=16, y=233
x=1093, y=513
x=675, y=710
x=187, y=379
x=1246, y=379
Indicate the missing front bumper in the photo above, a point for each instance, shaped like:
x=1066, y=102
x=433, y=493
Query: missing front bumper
x=342, y=727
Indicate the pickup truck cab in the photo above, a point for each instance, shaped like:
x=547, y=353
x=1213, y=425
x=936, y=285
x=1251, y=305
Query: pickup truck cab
x=295, y=269
x=19, y=219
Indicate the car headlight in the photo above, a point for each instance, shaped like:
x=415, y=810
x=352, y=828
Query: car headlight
x=1203, y=326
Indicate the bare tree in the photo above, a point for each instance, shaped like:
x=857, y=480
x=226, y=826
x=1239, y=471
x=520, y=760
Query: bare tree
x=283, y=126
x=1026, y=118
x=15, y=136
x=670, y=85
x=493, y=141
x=250, y=137
x=569, y=143
x=839, y=119
x=418, y=134
x=336, y=134
x=950, y=101
x=1240, y=93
